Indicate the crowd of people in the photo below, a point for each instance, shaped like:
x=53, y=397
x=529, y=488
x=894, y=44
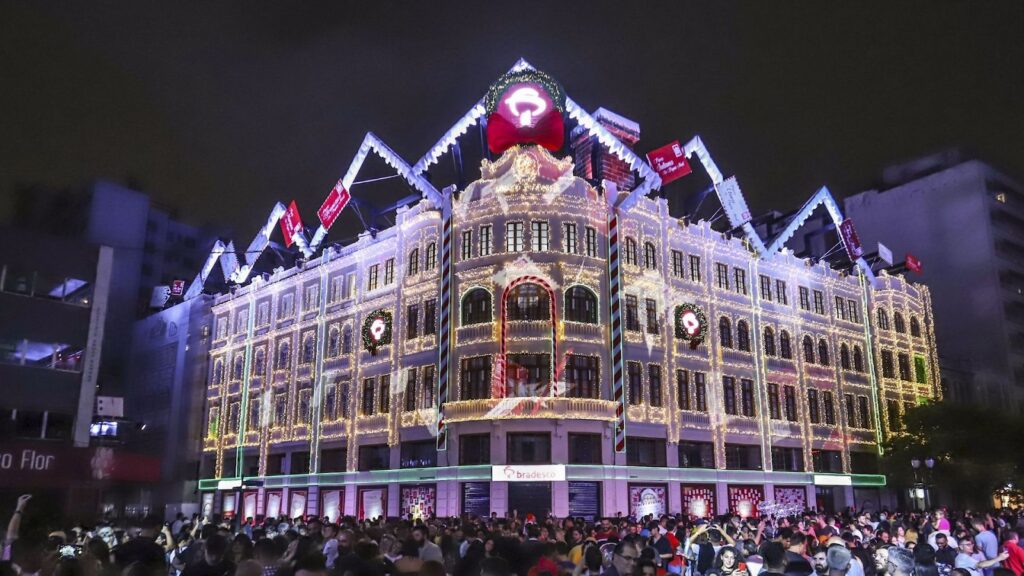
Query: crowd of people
x=853, y=543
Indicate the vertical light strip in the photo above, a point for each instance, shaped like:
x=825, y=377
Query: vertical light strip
x=243, y=411
x=614, y=289
x=318, y=367
x=869, y=345
x=444, y=344
x=760, y=372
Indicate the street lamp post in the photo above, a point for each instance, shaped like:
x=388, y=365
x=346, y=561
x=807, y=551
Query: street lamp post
x=920, y=493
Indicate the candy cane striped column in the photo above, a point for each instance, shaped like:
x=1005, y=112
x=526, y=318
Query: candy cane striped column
x=444, y=349
x=614, y=290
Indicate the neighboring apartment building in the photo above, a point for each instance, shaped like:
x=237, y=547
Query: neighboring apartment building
x=964, y=220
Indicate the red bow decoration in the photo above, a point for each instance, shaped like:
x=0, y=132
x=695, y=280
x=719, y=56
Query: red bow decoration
x=549, y=132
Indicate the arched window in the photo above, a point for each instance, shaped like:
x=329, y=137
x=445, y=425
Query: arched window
x=808, y=350
x=528, y=301
x=346, y=340
x=476, y=307
x=858, y=359
x=218, y=372
x=844, y=356
x=725, y=332
x=769, y=341
x=785, y=348
x=630, y=252
x=333, y=342
x=431, y=260
x=883, y=319
x=823, y=352
x=260, y=364
x=239, y=367
x=414, y=261
x=580, y=305
x=897, y=322
x=650, y=261
x=283, y=356
x=915, y=326
x=743, y=336
x=308, y=350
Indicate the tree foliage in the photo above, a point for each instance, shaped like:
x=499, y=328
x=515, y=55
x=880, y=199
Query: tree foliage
x=976, y=450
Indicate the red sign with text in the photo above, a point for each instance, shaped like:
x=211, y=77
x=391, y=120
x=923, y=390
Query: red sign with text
x=669, y=162
x=177, y=287
x=333, y=205
x=850, y=239
x=913, y=264
x=291, y=223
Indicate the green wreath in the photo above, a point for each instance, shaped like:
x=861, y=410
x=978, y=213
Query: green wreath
x=553, y=88
x=693, y=336
x=371, y=341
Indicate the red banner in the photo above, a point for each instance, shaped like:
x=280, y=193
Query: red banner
x=177, y=287
x=913, y=264
x=291, y=224
x=669, y=162
x=850, y=239
x=333, y=205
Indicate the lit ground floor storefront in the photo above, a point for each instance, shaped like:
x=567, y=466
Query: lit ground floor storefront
x=563, y=490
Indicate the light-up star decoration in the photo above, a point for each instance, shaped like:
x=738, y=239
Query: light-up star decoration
x=525, y=107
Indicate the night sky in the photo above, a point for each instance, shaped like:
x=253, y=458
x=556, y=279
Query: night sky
x=221, y=109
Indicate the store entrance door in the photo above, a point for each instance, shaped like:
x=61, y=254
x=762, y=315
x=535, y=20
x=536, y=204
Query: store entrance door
x=530, y=498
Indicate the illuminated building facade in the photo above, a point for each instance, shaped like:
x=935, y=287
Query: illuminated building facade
x=603, y=356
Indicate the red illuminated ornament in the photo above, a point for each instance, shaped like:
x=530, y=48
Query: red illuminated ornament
x=525, y=107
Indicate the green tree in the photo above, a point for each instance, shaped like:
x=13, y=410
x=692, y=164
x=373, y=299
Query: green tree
x=976, y=451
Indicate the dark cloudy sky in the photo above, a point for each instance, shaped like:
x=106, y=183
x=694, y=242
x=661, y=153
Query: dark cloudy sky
x=223, y=108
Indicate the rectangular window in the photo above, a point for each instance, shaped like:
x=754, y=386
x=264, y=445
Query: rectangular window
x=287, y=305
x=813, y=407
x=904, y=364
x=851, y=411
x=787, y=459
x=729, y=394
x=371, y=277
x=840, y=308
x=337, y=289
x=513, y=237
x=350, y=285
x=410, y=389
x=466, y=251
x=695, y=268
x=569, y=238
x=652, y=316
x=528, y=373
x=683, y=389
x=854, y=311
x=634, y=375
x=474, y=449
x=819, y=302
x=722, y=275
x=539, y=236
x=368, y=385
x=645, y=451
x=529, y=448
x=412, y=324
x=632, y=314
x=654, y=381
x=805, y=298
x=485, y=240
x=414, y=262
x=430, y=317
x=431, y=260
x=584, y=448
x=766, y=288
x=742, y=456
x=774, y=403
x=888, y=366
x=864, y=411
x=700, y=392
x=333, y=460
x=311, y=299
x=747, y=398
x=827, y=461
x=789, y=402
x=741, y=280
x=475, y=378
x=429, y=385
x=420, y=454
x=385, y=393
x=780, y=292
x=581, y=376
x=591, y=241
x=828, y=408
x=678, y=269
x=374, y=457
x=389, y=271
x=920, y=370
x=696, y=454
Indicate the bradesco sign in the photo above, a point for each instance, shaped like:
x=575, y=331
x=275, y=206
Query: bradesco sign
x=540, y=473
